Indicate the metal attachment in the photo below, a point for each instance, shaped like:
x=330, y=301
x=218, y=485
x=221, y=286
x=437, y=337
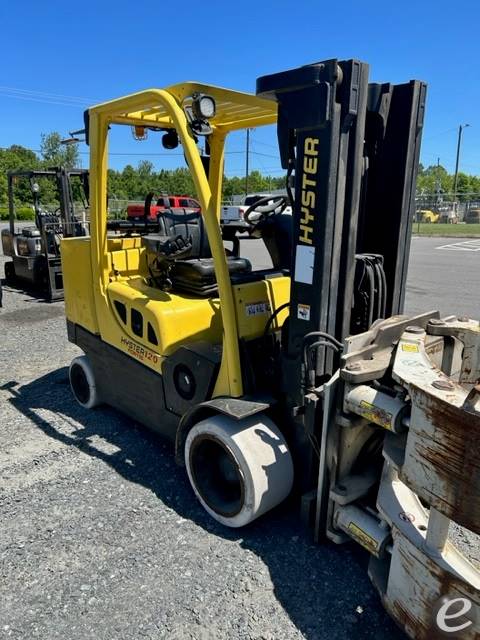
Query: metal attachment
x=364, y=528
x=378, y=408
x=444, y=385
x=414, y=329
x=354, y=366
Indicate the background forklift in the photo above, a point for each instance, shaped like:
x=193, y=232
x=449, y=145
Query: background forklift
x=306, y=376
x=35, y=250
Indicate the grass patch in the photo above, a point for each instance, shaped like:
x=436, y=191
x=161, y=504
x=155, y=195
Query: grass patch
x=446, y=230
x=22, y=213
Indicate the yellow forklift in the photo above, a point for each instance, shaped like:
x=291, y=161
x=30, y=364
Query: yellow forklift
x=306, y=378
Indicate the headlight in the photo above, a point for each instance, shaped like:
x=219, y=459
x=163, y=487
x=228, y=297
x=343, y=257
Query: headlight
x=203, y=107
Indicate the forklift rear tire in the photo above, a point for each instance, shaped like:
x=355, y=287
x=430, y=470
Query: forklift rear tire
x=82, y=383
x=9, y=273
x=40, y=275
x=239, y=469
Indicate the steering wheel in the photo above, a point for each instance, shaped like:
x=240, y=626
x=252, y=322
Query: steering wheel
x=146, y=207
x=277, y=205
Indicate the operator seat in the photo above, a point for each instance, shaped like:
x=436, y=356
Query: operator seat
x=188, y=224
x=193, y=270
x=277, y=234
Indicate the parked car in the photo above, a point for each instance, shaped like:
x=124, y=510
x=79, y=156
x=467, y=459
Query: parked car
x=427, y=215
x=162, y=203
x=472, y=216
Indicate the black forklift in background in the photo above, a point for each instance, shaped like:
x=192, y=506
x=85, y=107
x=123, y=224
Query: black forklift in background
x=35, y=249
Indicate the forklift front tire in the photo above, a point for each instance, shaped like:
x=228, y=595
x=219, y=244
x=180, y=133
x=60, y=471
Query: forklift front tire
x=239, y=469
x=82, y=383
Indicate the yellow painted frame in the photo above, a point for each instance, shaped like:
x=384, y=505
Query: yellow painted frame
x=164, y=108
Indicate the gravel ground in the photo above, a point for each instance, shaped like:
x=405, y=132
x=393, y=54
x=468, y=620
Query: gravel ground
x=102, y=537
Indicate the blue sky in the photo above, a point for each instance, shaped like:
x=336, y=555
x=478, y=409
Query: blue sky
x=92, y=51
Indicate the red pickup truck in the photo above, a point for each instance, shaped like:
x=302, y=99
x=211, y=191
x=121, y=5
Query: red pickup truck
x=162, y=203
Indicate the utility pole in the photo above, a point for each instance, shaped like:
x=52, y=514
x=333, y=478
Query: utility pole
x=247, y=158
x=437, y=184
x=455, y=181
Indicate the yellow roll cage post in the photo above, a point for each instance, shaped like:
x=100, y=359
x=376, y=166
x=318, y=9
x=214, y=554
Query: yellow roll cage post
x=164, y=108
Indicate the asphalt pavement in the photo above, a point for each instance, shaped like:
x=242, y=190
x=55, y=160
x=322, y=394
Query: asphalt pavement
x=102, y=537
x=443, y=274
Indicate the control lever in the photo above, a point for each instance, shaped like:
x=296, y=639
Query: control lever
x=165, y=250
x=172, y=248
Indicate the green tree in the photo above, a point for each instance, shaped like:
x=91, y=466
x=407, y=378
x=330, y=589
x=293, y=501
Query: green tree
x=56, y=154
x=133, y=183
x=11, y=159
x=464, y=187
x=434, y=181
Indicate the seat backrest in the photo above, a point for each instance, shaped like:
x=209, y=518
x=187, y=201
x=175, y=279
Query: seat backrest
x=189, y=224
x=277, y=234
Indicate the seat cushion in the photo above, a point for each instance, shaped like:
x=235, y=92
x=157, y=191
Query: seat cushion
x=203, y=270
x=197, y=276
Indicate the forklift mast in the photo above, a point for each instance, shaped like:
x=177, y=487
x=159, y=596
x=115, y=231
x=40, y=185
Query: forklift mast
x=321, y=122
x=64, y=186
x=63, y=183
x=351, y=152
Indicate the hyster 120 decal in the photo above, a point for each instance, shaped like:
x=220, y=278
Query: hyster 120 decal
x=139, y=352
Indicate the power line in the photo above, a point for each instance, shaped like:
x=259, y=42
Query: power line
x=440, y=133
x=124, y=153
x=45, y=94
x=264, y=155
x=46, y=98
x=42, y=101
x=265, y=144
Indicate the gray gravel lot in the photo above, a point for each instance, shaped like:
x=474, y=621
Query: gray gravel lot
x=102, y=538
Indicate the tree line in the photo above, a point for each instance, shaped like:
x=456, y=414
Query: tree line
x=133, y=183
x=130, y=183
x=435, y=182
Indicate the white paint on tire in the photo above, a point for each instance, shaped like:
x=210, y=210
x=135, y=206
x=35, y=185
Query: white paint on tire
x=262, y=456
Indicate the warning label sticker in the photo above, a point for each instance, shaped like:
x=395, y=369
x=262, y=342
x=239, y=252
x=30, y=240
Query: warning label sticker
x=411, y=348
x=376, y=415
x=363, y=537
x=303, y=312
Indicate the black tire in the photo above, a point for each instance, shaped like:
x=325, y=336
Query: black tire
x=40, y=275
x=9, y=273
x=83, y=384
